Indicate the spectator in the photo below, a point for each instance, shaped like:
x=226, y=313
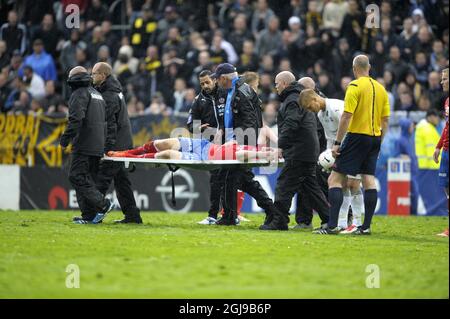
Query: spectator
x=421, y=67
x=140, y=84
x=261, y=17
x=406, y=102
x=435, y=91
x=425, y=38
x=240, y=33
x=125, y=61
x=97, y=40
x=143, y=31
x=325, y=85
x=426, y=139
x=313, y=16
x=378, y=59
x=438, y=51
x=414, y=86
x=242, y=7
x=42, y=62
x=342, y=60
x=204, y=63
x=179, y=95
x=68, y=52
x=396, y=65
x=111, y=39
x=49, y=34
x=270, y=38
x=34, y=83
x=19, y=99
x=333, y=15
x=96, y=12
x=171, y=19
x=157, y=106
x=407, y=39
x=54, y=102
x=345, y=81
x=216, y=52
x=14, y=34
x=248, y=60
x=352, y=25
x=175, y=40
x=387, y=35
x=424, y=103
x=103, y=54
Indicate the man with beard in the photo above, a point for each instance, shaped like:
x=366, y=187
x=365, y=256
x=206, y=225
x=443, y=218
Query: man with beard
x=206, y=120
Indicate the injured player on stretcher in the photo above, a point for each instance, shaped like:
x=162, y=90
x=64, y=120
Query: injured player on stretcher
x=198, y=149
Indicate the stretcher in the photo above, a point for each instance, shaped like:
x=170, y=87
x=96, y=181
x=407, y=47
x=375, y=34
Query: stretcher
x=174, y=165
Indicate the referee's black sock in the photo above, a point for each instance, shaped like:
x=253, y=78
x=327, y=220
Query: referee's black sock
x=335, y=197
x=370, y=202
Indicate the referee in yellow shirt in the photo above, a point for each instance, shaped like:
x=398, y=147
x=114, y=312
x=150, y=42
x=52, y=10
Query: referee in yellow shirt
x=364, y=124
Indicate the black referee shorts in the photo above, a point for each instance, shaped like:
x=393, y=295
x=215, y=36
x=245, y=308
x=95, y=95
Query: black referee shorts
x=359, y=154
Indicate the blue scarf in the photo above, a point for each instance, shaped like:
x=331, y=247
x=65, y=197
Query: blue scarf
x=228, y=116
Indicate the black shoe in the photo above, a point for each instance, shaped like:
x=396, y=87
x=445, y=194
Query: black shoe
x=362, y=232
x=106, y=209
x=274, y=226
x=129, y=220
x=226, y=222
x=303, y=226
x=327, y=231
x=268, y=219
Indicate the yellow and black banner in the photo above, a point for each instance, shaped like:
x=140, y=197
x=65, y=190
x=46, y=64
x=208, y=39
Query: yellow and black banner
x=31, y=140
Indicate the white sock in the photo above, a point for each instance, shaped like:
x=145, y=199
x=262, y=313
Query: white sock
x=357, y=207
x=343, y=212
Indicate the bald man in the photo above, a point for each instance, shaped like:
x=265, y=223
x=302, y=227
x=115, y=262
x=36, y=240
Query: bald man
x=307, y=83
x=299, y=143
x=86, y=132
x=118, y=137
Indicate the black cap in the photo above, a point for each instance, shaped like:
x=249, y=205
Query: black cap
x=224, y=68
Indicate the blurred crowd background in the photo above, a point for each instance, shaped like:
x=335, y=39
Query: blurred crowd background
x=157, y=49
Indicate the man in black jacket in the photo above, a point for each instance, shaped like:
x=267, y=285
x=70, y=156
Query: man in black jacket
x=298, y=140
x=206, y=121
x=86, y=130
x=304, y=212
x=242, y=121
x=118, y=137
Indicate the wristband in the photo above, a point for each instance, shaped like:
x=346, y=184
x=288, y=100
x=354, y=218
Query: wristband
x=337, y=143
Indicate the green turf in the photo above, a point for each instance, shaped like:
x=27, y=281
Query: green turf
x=170, y=256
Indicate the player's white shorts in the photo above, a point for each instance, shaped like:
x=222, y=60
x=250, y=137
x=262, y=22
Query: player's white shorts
x=358, y=177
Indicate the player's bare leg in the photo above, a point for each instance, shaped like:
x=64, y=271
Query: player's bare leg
x=169, y=154
x=167, y=144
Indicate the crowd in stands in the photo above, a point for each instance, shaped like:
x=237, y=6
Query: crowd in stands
x=157, y=48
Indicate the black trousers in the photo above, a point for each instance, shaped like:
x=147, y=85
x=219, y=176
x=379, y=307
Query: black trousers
x=114, y=171
x=304, y=212
x=298, y=176
x=244, y=179
x=82, y=175
x=216, y=182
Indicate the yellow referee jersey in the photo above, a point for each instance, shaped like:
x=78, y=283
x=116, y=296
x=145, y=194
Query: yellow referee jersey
x=368, y=101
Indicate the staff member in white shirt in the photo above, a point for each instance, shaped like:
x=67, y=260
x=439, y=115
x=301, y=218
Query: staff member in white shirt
x=329, y=112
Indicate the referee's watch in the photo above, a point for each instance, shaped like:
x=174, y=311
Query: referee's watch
x=337, y=143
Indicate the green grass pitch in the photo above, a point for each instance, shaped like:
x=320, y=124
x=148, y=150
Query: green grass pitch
x=170, y=256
